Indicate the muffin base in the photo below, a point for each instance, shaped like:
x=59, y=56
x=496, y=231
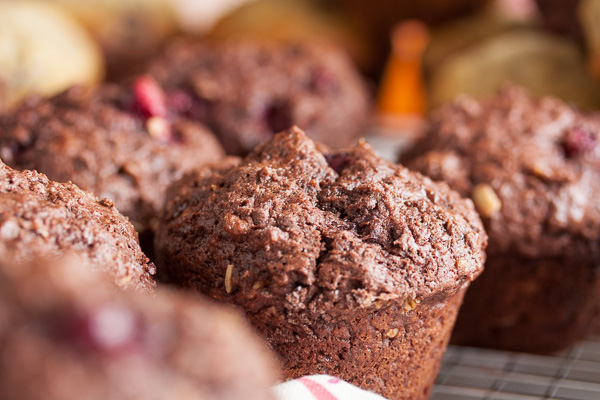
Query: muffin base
x=536, y=306
x=386, y=348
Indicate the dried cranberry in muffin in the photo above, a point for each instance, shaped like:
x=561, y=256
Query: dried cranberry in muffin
x=68, y=334
x=532, y=167
x=349, y=265
x=248, y=90
x=125, y=144
x=39, y=217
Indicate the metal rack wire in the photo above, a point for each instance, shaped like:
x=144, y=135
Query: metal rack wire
x=469, y=374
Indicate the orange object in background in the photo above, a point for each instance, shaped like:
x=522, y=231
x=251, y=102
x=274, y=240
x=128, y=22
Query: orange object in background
x=402, y=89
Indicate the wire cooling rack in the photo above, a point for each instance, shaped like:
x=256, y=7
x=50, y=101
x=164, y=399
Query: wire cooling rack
x=468, y=374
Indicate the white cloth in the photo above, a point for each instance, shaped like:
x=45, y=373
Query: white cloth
x=321, y=387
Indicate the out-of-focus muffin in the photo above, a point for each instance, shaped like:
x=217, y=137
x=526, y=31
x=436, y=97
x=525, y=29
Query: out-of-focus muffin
x=126, y=144
x=460, y=34
x=578, y=20
x=129, y=31
x=68, y=334
x=531, y=167
x=296, y=20
x=39, y=217
x=43, y=50
x=543, y=63
x=247, y=90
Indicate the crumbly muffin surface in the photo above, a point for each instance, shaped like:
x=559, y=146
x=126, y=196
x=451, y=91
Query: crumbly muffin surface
x=530, y=165
x=246, y=90
x=39, y=217
x=338, y=226
x=123, y=144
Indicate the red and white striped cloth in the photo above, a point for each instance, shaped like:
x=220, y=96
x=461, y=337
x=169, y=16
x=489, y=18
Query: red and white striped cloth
x=321, y=387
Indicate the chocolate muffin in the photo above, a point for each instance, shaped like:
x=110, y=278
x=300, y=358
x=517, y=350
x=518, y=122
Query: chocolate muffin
x=248, y=90
x=348, y=264
x=126, y=145
x=531, y=166
x=39, y=217
x=66, y=333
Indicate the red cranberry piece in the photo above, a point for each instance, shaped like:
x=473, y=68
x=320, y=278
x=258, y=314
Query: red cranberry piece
x=150, y=99
x=278, y=117
x=198, y=110
x=338, y=162
x=179, y=101
x=578, y=141
x=109, y=328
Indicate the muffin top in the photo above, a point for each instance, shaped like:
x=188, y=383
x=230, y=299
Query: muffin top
x=67, y=333
x=247, y=90
x=125, y=144
x=311, y=224
x=41, y=217
x=531, y=166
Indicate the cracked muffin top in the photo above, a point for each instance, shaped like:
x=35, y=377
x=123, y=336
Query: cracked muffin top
x=125, y=144
x=299, y=220
x=68, y=334
x=39, y=217
x=248, y=90
x=531, y=166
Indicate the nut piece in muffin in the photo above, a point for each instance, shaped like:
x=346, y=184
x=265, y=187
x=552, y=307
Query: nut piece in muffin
x=43, y=50
x=348, y=264
x=68, y=334
x=126, y=145
x=39, y=217
x=532, y=168
x=246, y=91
